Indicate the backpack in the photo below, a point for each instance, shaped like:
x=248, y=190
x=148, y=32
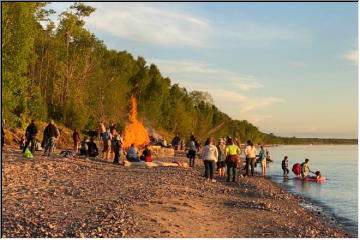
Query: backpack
x=296, y=169
x=27, y=153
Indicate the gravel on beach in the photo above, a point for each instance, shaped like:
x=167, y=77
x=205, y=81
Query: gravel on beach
x=83, y=197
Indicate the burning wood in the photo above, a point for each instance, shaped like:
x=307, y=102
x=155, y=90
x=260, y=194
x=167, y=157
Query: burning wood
x=135, y=131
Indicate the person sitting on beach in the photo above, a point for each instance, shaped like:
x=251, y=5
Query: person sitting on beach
x=93, y=151
x=284, y=166
x=305, y=168
x=146, y=154
x=84, y=147
x=210, y=156
x=132, y=154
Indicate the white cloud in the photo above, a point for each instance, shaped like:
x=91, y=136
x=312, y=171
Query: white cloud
x=352, y=57
x=154, y=23
x=245, y=103
x=227, y=88
x=206, y=74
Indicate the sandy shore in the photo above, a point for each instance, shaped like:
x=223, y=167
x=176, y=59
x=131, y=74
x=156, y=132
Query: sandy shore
x=63, y=197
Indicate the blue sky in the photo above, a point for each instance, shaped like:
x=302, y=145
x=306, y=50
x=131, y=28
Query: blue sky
x=289, y=68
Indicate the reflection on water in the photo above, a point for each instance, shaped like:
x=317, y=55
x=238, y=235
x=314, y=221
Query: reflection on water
x=308, y=187
x=338, y=164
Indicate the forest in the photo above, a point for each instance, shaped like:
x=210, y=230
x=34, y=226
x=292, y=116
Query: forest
x=64, y=72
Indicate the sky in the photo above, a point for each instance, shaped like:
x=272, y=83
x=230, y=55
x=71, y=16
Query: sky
x=289, y=68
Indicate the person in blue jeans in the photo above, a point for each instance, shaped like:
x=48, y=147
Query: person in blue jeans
x=232, y=153
x=210, y=155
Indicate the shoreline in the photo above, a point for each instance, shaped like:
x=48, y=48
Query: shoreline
x=317, y=207
x=40, y=195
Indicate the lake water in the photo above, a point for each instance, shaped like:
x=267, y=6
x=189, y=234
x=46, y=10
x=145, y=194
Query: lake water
x=338, y=195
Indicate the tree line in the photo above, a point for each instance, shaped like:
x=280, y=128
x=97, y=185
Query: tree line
x=66, y=73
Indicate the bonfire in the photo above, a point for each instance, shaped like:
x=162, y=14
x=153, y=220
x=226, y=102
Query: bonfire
x=135, y=132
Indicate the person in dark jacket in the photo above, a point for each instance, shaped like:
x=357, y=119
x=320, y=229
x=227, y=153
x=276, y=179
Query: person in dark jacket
x=284, y=166
x=93, y=151
x=30, y=134
x=116, y=145
x=51, y=133
x=176, y=142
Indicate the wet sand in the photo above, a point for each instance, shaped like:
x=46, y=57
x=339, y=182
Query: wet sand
x=82, y=197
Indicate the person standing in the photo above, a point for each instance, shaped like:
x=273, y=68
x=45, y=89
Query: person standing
x=192, y=151
x=284, y=166
x=51, y=133
x=250, y=152
x=305, y=168
x=101, y=129
x=106, y=138
x=210, y=155
x=76, y=139
x=262, y=158
x=116, y=145
x=30, y=134
x=221, y=158
x=232, y=153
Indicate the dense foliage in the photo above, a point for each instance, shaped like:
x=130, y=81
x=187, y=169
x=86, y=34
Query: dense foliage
x=65, y=73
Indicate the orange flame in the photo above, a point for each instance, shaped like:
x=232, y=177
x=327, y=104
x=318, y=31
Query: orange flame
x=135, y=132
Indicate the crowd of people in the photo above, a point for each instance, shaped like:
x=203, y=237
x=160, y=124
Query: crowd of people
x=111, y=138
x=221, y=157
x=225, y=154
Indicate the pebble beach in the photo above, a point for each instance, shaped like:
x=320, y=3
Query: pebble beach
x=87, y=197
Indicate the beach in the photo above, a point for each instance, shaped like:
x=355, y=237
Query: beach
x=84, y=197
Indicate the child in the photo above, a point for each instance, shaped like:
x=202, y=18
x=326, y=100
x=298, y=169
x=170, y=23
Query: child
x=317, y=175
x=284, y=166
x=263, y=157
x=84, y=147
x=22, y=142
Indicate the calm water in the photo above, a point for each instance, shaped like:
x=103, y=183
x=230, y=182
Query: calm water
x=338, y=195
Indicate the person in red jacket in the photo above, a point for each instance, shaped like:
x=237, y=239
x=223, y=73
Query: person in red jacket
x=146, y=154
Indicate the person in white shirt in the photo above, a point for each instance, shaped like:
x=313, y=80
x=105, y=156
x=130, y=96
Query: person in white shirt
x=250, y=152
x=210, y=155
